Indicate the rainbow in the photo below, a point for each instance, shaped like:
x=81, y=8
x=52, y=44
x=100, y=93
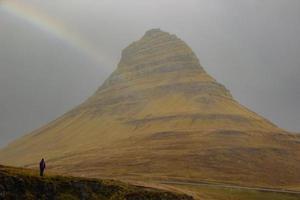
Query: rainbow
x=52, y=26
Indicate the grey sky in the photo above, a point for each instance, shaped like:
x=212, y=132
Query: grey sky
x=251, y=46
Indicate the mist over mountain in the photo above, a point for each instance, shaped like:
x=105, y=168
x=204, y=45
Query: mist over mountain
x=253, y=55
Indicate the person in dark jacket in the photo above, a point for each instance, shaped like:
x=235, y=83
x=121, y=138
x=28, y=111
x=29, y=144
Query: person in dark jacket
x=42, y=167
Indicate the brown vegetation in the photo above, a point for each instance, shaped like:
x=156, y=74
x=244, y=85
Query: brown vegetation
x=160, y=115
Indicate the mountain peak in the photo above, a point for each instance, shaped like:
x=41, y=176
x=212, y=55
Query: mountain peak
x=153, y=32
x=154, y=41
x=157, y=52
x=156, y=33
x=160, y=114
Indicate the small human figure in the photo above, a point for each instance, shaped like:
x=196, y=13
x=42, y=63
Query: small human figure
x=42, y=167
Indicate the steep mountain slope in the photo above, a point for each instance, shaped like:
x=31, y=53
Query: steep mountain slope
x=160, y=114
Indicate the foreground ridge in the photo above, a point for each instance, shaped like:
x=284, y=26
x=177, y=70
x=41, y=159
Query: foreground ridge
x=18, y=183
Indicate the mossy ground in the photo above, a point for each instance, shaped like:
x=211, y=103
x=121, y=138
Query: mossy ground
x=16, y=183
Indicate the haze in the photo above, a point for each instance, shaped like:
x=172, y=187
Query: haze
x=251, y=46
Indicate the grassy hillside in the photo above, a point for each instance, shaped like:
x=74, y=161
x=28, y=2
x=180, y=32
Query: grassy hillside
x=161, y=115
x=217, y=193
x=17, y=183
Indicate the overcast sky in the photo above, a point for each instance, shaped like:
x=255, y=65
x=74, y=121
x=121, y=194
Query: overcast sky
x=250, y=46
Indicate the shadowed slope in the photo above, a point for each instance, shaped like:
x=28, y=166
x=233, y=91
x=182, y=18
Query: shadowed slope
x=161, y=115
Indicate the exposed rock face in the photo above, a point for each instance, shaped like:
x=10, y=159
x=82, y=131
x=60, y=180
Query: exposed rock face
x=161, y=115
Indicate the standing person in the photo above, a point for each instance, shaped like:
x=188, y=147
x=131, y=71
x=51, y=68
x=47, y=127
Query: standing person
x=42, y=167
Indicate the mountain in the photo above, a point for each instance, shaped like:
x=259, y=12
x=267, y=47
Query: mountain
x=18, y=183
x=160, y=115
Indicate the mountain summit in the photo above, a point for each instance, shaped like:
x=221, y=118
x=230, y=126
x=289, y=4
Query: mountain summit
x=159, y=114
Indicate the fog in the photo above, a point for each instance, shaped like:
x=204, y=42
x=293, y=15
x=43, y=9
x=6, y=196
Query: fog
x=250, y=46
